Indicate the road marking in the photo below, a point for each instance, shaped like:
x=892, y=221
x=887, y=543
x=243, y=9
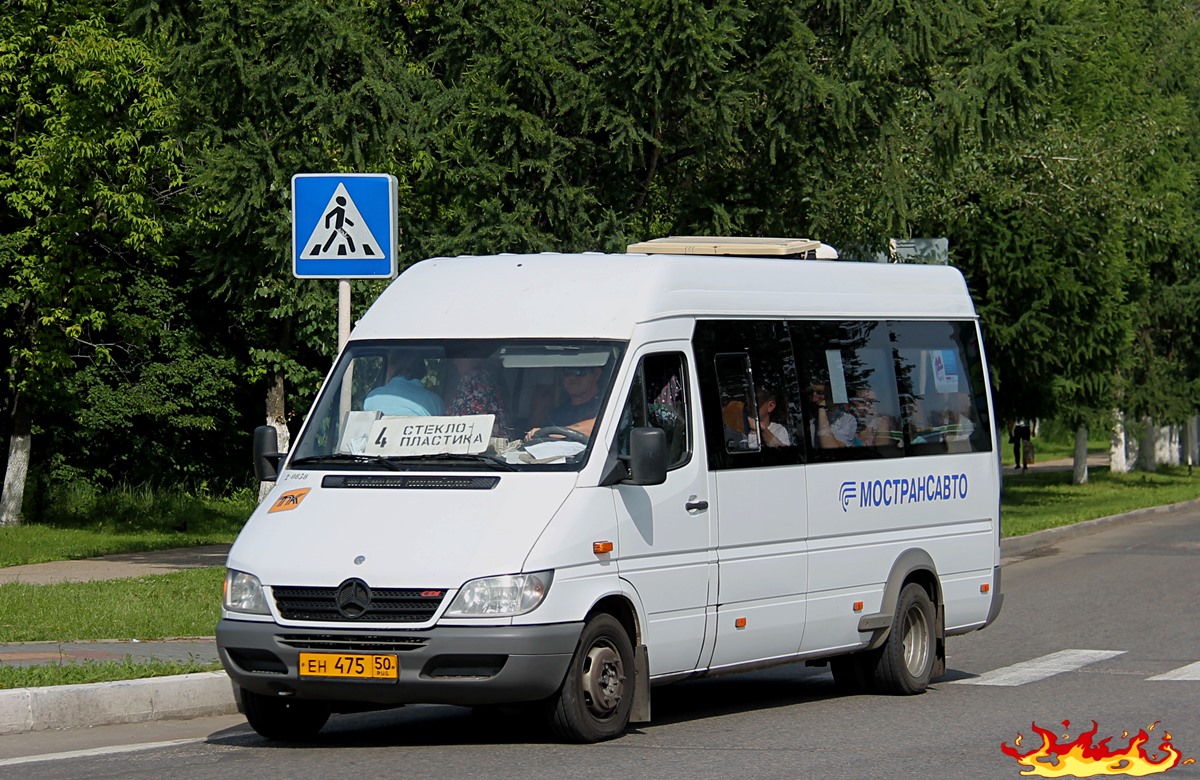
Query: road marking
x=1041, y=668
x=1189, y=672
x=103, y=751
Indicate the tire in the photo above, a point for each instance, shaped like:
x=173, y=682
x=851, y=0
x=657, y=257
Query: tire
x=284, y=719
x=596, y=697
x=905, y=661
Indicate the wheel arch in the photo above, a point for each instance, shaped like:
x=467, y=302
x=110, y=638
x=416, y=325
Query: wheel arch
x=621, y=608
x=914, y=565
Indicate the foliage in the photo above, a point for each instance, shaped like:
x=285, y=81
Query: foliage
x=276, y=88
x=85, y=166
x=145, y=231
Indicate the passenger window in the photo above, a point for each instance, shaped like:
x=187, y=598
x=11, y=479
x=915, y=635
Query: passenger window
x=749, y=393
x=659, y=399
x=940, y=374
x=852, y=406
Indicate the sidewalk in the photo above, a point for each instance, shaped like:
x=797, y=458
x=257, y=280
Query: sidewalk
x=1058, y=464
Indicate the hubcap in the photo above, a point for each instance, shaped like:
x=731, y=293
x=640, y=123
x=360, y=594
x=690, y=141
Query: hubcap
x=916, y=641
x=603, y=679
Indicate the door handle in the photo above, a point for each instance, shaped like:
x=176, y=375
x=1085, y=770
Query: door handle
x=696, y=506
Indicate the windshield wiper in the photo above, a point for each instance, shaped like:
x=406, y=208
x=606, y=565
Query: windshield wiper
x=345, y=457
x=490, y=460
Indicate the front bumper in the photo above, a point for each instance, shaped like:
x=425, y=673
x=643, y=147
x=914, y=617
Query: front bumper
x=449, y=665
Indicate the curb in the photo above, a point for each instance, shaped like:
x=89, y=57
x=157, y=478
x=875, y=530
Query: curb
x=128, y=701
x=1020, y=546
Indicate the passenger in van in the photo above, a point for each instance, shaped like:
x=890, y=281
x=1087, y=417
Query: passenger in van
x=477, y=390
x=833, y=426
x=403, y=394
x=734, y=416
x=874, y=429
x=579, y=411
x=774, y=434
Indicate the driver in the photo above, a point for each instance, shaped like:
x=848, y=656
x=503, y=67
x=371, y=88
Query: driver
x=578, y=412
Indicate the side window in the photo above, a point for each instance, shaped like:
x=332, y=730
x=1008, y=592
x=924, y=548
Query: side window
x=659, y=399
x=852, y=406
x=940, y=373
x=749, y=393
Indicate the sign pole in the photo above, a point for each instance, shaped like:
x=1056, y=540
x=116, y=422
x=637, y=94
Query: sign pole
x=343, y=337
x=343, y=313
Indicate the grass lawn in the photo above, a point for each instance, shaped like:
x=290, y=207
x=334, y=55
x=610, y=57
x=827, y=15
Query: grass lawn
x=96, y=671
x=1035, y=501
x=83, y=523
x=180, y=604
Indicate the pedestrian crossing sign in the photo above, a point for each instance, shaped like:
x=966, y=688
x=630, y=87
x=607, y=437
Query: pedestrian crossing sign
x=344, y=226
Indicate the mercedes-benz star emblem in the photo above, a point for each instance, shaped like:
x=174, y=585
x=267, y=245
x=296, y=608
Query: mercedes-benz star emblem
x=353, y=598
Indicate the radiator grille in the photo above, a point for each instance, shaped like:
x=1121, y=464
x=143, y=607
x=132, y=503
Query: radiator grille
x=387, y=605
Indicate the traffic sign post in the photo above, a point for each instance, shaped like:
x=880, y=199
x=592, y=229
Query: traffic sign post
x=344, y=227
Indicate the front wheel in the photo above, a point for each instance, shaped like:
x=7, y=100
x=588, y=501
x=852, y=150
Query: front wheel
x=284, y=719
x=595, y=699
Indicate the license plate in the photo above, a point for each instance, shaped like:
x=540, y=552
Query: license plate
x=355, y=666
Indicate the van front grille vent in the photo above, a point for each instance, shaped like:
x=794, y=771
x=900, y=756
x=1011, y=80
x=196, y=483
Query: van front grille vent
x=408, y=482
x=352, y=643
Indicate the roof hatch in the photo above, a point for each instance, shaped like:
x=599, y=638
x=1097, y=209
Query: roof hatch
x=736, y=246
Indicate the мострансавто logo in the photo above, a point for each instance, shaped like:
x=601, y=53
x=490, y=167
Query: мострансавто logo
x=1081, y=758
x=905, y=490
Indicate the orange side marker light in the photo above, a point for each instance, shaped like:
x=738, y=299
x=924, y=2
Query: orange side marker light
x=600, y=548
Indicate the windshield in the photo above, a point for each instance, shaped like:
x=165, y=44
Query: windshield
x=488, y=404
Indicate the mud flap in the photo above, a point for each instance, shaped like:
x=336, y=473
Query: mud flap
x=640, y=712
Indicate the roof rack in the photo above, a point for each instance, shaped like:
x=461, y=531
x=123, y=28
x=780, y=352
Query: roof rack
x=739, y=246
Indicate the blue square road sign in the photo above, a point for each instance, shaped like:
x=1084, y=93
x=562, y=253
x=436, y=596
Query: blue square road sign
x=344, y=226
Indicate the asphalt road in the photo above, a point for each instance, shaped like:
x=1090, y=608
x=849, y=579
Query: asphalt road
x=1087, y=626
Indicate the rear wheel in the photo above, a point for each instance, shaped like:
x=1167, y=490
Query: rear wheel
x=597, y=694
x=285, y=719
x=905, y=661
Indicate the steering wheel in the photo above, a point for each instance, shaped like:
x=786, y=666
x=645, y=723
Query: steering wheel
x=558, y=433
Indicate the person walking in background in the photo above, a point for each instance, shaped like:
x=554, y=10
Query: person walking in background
x=1022, y=442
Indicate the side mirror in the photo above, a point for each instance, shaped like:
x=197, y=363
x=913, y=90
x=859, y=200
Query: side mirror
x=647, y=456
x=266, y=453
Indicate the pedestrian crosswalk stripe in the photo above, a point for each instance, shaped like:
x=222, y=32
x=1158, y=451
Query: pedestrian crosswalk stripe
x=1189, y=672
x=1041, y=668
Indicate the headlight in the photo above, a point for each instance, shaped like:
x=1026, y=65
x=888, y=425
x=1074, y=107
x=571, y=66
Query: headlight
x=244, y=593
x=512, y=594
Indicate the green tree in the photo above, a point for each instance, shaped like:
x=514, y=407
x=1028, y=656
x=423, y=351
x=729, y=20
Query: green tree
x=85, y=167
x=270, y=89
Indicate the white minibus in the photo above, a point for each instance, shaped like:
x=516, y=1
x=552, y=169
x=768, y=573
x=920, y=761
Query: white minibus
x=557, y=480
